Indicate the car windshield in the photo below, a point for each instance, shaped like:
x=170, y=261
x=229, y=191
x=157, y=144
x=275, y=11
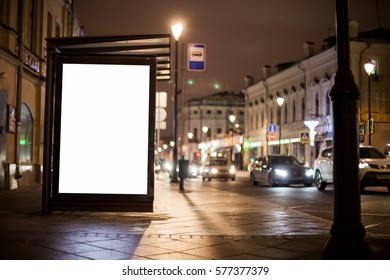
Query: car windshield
x=283, y=160
x=370, y=153
x=218, y=162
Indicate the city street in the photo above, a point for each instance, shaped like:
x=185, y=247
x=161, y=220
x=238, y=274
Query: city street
x=216, y=220
x=374, y=200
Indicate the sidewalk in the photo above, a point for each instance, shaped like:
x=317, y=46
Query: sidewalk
x=199, y=224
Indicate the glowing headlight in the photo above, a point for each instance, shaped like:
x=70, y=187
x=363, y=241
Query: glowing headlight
x=281, y=172
x=214, y=171
x=232, y=169
x=167, y=166
x=364, y=165
x=309, y=173
x=194, y=170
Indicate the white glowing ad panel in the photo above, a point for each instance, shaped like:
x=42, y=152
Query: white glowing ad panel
x=104, y=129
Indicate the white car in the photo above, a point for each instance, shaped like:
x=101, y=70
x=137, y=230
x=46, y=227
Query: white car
x=374, y=168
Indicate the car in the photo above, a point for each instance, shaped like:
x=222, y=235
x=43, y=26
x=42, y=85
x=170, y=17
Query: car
x=280, y=170
x=374, y=168
x=218, y=168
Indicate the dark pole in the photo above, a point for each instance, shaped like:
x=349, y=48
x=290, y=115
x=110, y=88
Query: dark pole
x=347, y=232
x=174, y=171
x=369, y=110
x=280, y=129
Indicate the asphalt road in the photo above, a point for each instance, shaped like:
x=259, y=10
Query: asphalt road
x=375, y=201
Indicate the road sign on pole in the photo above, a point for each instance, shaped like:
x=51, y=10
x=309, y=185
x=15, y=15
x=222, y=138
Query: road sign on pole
x=196, y=57
x=272, y=128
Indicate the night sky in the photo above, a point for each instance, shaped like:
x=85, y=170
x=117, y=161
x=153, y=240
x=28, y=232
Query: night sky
x=241, y=36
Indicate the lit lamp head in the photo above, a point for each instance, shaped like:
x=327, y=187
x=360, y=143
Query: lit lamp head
x=280, y=101
x=205, y=129
x=369, y=66
x=176, y=31
x=232, y=118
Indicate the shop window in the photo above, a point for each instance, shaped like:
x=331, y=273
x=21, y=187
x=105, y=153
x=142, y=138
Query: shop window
x=26, y=135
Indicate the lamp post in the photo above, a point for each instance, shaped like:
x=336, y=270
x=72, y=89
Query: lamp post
x=369, y=66
x=280, y=101
x=176, y=32
x=347, y=231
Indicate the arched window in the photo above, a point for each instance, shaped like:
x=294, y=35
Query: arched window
x=294, y=111
x=285, y=114
x=26, y=134
x=317, y=111
x=327, y=104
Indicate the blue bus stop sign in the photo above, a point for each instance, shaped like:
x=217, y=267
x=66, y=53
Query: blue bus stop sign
x=196, y=57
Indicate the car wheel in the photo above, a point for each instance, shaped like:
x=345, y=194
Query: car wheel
x=320, y=184
x=234, y=178
x=362, y=187
x=271, y=180
x=308, y=185
x=209, y=179
x=226, y=179
x=203, y=178
x=388, y=188
x=253, y=180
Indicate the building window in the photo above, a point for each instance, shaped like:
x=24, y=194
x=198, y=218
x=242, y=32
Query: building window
x=271, y=117
x=327, y=104
x=49, y=24
x=26, y=135
x=3, y=11
x=208, y=112
x=195, y=133
x=317, y=109
x=262, y=119
x=195, y=112
x=219, y=112
x=219, y=130
x=294, y=112
x=303, y=109
x=58, y=29
x=285, y=114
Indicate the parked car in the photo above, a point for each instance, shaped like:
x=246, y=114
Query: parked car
x=280, y=170
x=374, y=168
x=218, y=168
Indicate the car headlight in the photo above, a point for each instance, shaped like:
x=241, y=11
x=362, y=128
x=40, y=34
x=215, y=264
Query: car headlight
x=309, y=173
x=194, y=169
x=214, y=171
x=167, y=166
x=281, y=172
x=232, y=169
x=363, y=165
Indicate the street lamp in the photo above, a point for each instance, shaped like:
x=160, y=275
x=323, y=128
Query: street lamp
x=369, y=66
x=280, y=101
x=176, y=32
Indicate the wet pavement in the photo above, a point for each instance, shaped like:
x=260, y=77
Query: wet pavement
x=198, y=224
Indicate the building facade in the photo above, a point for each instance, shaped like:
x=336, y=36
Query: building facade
x=214, y=124
x=24, y=25
x=304, y=87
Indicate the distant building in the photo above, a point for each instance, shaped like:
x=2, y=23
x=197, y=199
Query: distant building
x=305, y=85
x=24, y=25
x=213, y=124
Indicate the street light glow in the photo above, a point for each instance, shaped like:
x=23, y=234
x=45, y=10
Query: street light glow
x=280, y=101
x=369, y=66
x=232, y=118
x=176, y=31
